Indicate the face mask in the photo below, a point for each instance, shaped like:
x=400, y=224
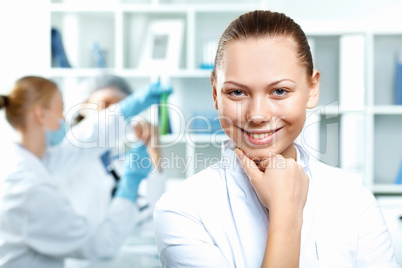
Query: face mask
x=54, y=137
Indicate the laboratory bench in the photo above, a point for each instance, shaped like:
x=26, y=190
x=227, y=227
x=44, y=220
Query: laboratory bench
x=138, y=251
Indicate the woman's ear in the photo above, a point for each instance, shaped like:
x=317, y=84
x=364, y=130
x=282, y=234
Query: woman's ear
x=314, y=90
x=214, y=92
x=38, y=113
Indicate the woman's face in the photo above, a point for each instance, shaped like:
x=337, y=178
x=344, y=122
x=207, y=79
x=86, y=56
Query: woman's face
x=262, y=92
x=102, y=98
x=106, y=97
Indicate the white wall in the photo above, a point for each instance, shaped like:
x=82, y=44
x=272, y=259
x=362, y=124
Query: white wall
x=24, y=46
x=340, y=9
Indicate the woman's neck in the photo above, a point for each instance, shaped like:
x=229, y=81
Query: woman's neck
x=33, y=139
x=290, y=152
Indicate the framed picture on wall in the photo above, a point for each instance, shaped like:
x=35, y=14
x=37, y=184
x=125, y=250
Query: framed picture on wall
x=163, y=45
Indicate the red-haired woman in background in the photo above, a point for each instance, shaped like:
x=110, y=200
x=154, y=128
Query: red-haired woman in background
x=38, y=225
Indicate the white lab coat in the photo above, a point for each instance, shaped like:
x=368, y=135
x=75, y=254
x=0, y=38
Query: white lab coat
x=38, y=225
x=214, y=219
x=93, y=204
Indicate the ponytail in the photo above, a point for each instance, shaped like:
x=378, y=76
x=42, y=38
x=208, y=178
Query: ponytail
x=27, y=92
x=3, y=101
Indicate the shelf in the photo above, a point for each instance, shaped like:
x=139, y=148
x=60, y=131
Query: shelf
x=79, y=72
x=387, y=147
x=158, y=8
x=82, y=44
x=185, y=138
x=181, y=73
x=387, y=189
x=310, y=27
x=120, y=26
x=386, y=48
x=334, y=110
x=326, y=55
x=195, y=138
x=387, y=109
x=82, y=7
x=87, y=72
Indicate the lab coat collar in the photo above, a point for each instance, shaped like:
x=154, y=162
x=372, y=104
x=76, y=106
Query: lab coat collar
x=229, y=160
x=33, y=163
x=26, y=154
x=302, y=158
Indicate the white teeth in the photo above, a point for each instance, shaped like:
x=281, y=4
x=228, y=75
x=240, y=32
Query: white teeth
x=260, y=136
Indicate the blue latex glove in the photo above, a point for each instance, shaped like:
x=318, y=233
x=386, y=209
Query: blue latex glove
x=143, y=98
x=106, y=161
x=136, y=167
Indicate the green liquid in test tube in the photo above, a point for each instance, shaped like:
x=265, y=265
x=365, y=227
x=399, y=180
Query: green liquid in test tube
x=163, y=115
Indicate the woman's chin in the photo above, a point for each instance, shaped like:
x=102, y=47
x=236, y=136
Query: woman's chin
x=258, y=154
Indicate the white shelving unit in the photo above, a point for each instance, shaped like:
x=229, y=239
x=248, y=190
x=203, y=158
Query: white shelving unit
x=119, y=27
x=384, y=118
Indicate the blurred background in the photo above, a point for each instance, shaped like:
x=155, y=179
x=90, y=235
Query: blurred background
x=357, y=46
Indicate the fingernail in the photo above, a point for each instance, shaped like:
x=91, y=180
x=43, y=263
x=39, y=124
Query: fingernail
x=239, y=153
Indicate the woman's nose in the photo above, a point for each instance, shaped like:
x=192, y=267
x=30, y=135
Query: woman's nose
x=259, y=110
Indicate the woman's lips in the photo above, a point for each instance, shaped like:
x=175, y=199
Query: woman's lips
x=260, y=137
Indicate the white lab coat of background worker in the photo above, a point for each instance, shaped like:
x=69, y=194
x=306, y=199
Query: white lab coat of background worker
x=38, y=225
x=90, y=187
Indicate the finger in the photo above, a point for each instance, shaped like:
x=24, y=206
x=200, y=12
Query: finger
x=145, y=131
x=145, y=136
x=262, y=165
x=154, y=131
x=154, y=135
x=138, y=132
x=142, y=131
x=277, y=161
x=138, y=126
x=249, y=166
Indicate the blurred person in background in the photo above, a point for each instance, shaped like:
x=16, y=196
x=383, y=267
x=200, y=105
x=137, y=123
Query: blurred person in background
x=39, y=227
x=103, y=173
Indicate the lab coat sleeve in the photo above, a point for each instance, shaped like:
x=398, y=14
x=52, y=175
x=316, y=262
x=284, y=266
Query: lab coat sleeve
x=375, y=249
x=181, y=238
x=51, y=226
x=154, y=187
x=87, y=141
x=151, y=189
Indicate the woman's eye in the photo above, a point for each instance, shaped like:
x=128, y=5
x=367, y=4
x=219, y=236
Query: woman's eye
x=279, y=91
x=236, y=93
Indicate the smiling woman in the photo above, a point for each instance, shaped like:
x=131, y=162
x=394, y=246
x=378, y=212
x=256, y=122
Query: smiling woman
x=268, y=203
x=264, y=95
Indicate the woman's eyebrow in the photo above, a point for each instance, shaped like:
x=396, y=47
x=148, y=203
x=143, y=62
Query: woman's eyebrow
x=236, y=84
x=269, y=85
x=280, y=81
